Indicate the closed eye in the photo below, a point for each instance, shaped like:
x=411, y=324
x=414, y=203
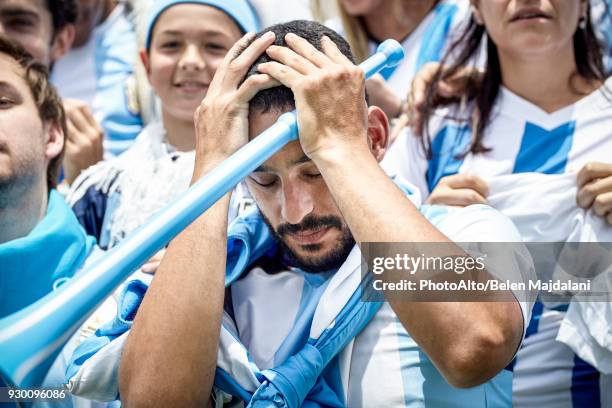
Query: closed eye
x=264, y=183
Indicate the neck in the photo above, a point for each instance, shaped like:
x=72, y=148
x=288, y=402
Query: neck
x=549, y=80
x=21, y=211
x=179, y=133
x=390, y=21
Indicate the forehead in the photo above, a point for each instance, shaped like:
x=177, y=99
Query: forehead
x=289, y=156
x=180, y=18
x=12, y=73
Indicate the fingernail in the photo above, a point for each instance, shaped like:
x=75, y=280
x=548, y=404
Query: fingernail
x=269, y=35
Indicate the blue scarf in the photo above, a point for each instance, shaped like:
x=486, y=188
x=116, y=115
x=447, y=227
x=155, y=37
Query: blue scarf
x=31, y=266
x=299, y=381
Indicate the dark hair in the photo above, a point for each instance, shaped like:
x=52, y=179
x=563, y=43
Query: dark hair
x=63, y=12
x=280, y=97
x=45, y=97
x=483, y=92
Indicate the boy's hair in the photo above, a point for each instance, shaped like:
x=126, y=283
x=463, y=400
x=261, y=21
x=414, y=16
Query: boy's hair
x=63, y=12
x=281, y=98
x=45, y=97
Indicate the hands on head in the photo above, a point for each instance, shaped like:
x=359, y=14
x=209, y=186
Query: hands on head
x=328, y=89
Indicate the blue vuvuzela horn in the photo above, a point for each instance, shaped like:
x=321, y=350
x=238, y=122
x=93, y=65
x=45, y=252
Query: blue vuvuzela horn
x=31, y=339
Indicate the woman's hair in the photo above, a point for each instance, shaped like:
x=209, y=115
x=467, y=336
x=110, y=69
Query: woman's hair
x=355, y=33
x=482, y=92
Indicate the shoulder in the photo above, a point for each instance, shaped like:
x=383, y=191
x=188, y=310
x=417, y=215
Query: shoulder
x=475, y=223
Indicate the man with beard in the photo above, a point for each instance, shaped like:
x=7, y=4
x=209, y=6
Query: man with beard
x=41, y=242
x=291, y=329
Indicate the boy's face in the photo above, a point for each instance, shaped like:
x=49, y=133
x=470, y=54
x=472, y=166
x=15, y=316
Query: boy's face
x=184, y=56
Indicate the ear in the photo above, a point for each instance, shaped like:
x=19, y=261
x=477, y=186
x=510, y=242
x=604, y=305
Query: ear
x=54, y=142
x=378, y=132
x=146, y=62
x=62, y=42
x=476, y=12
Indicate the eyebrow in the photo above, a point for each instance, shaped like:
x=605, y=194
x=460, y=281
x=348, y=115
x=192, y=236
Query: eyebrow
x=212, y=33
x=19, y=12
x=7, y=88
x=266, y=169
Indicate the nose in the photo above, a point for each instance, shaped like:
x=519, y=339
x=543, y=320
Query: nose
x=191, y=59
x=297, y=202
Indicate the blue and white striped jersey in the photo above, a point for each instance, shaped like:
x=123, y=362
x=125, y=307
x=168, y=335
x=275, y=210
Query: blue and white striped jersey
x=524, y=138
x=383, y=366
x=100, y=73
x=427, y=43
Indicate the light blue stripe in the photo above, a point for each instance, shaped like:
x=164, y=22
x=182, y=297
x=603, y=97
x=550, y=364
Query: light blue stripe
x=448, y=149
x=436, y=35
x=434, y=38
x=314, y=286
x=544, y=151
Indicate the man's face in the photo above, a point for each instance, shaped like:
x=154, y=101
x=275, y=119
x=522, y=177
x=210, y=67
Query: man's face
x=297, y=205
x=29, y=23
x=23, y=148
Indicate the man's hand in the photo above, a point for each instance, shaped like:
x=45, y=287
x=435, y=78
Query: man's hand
x=595, y=189
x=83, y=141
x=329, y=93
x=221, y=120
x=460, y=190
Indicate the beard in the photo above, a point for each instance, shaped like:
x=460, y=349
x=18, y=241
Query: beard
x=16, y=179
x=331, y=260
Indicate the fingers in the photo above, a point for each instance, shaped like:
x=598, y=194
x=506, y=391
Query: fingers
x=307, y=50
x=457, y=197
x=241, y=63
x=152, y=264
x=591, y=192
x=602, y=205
x=467, y=181
x=331, y=50
x=254, y=84
x=238, y=48
x=290, y=58
x=282, y=73
x=592, y=171
x=420, y=83
x=237, y=61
